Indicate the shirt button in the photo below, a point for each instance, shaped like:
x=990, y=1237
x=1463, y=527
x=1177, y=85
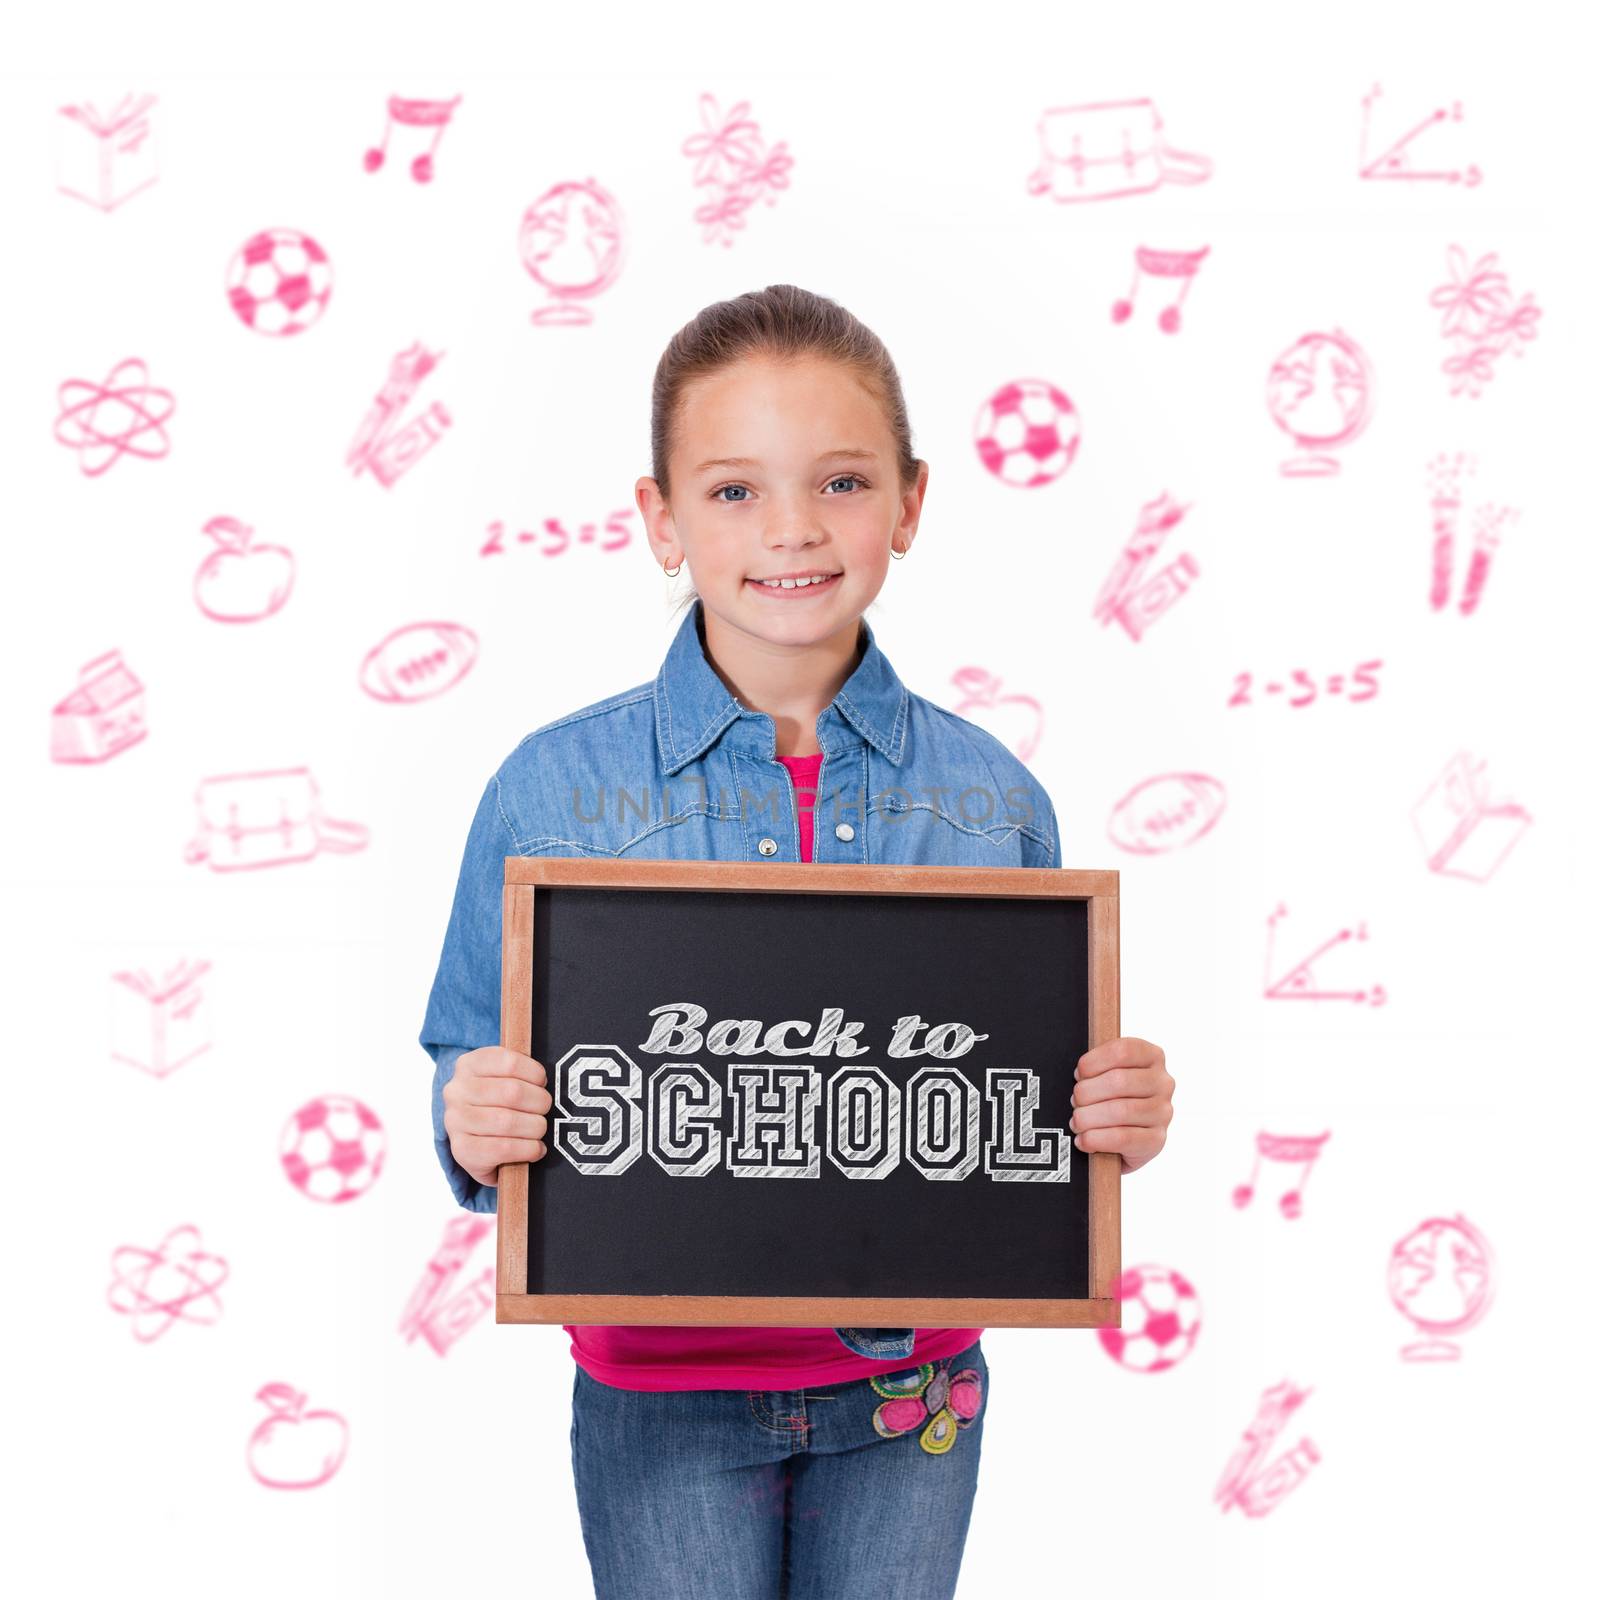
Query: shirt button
x=768, y=847
x=844, y=831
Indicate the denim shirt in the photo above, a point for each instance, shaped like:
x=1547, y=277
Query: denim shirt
x=677, y=769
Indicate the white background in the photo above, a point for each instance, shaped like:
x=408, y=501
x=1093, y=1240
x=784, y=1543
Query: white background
x=913, y=132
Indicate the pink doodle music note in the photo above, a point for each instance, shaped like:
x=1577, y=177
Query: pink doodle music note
x=1178, y=266
x=571, y=244
x=1302, y=980
x=433, y=114
x=1247, y=1482
x=1300, y=1150
x=294, y=1447
x=1441, y=1279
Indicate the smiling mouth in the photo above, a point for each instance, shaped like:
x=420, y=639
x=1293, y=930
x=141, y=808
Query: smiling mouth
x=788, y=587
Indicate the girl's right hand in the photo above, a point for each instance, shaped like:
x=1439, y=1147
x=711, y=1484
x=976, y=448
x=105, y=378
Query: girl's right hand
x=495, y=1110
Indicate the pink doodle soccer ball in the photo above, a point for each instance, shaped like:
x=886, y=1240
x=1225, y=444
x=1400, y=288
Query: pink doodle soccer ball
x=332, y=1148
x=1027, y=433
x=279, y=282
x=1160, y=1320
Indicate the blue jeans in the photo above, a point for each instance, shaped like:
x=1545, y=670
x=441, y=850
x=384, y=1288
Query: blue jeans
x=736, y=1494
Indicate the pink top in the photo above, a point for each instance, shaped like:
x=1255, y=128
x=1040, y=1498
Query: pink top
x=636, y=1356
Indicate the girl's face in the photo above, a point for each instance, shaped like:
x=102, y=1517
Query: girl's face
x=783, y=470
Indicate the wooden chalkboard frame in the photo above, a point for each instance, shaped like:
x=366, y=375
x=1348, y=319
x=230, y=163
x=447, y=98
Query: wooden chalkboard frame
x=1101, y=1309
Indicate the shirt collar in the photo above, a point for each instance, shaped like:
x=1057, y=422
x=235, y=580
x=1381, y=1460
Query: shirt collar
x=694, y=707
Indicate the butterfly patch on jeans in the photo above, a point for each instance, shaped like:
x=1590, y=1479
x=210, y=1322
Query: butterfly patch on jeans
x=934, y=1399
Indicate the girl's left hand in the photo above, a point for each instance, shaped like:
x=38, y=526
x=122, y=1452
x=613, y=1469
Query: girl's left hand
x=1123, y=1100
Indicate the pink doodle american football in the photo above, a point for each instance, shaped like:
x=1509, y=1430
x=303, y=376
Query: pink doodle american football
x=419, y=661
x=1166, y=812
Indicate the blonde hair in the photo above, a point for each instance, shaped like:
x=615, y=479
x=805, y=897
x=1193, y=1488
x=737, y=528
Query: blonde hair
x=781, y=322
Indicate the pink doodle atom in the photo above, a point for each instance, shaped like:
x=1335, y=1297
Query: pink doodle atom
x=1160, y=1320
x=124, y=416
x=279, y=282
x=176, y=1282
x=1027, y=433
x=294, y=1448
x=332, y=1149
x=941, y=1403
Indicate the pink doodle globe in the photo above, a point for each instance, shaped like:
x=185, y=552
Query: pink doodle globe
x=1027, y=433
x=279, y=282
x=1160, y=1320
x=1440, y=1276
x=570, y=243
x=332, y=1149
x=1319, y=391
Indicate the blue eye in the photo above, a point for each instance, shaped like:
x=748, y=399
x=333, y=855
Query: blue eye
x=847, y=477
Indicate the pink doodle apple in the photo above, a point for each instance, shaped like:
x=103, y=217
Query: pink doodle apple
x=1017, y=720
x=295, y=1448
x=240, y=581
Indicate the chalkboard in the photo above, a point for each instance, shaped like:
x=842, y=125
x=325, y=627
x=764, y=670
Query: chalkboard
x=808, y=1094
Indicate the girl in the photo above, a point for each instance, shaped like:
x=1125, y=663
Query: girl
x=757, y=1462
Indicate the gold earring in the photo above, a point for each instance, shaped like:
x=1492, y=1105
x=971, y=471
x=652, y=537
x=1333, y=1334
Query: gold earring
x=899, y=555
x=672, y=572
